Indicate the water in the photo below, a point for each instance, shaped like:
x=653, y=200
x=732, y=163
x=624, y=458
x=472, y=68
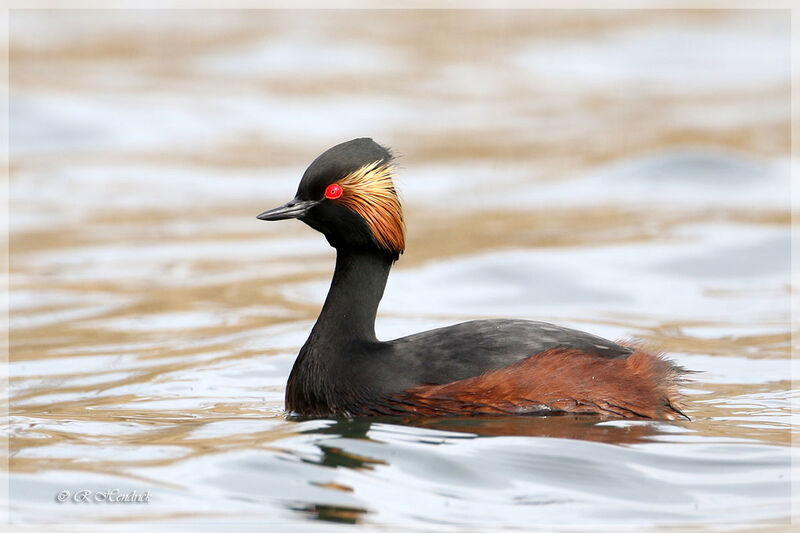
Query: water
x=623, y=172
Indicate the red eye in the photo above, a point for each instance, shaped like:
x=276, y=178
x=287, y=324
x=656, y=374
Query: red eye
x=333, y=191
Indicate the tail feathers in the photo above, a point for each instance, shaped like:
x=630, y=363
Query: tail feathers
x=664, y=376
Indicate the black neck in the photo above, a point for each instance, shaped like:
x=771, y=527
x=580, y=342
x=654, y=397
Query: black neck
x=352, y=302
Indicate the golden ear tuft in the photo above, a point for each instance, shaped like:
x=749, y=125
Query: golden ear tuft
x=370, y=192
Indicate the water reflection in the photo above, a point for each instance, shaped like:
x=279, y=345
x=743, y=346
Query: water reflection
x=561, y=427
x=341, y=456
x=507, y=475
x=441, y=431
x=333, y=513
x=565, y=426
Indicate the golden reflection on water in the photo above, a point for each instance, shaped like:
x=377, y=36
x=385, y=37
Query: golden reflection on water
x=127, y=313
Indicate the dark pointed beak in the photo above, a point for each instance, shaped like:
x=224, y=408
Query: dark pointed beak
x=294, y=209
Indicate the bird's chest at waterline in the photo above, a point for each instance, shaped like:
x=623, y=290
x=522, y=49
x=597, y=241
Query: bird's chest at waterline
x=333, y=380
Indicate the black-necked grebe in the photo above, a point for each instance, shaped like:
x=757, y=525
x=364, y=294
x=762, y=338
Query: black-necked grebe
x=483, y=367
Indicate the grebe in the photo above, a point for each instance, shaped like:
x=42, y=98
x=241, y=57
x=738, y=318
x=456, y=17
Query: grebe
x=482, y=367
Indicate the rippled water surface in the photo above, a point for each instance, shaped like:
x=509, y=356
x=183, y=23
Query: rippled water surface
x=623, y=172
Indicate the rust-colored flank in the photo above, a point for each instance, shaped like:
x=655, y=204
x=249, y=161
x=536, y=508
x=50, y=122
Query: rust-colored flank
x=369, y=191
x=643, y=385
